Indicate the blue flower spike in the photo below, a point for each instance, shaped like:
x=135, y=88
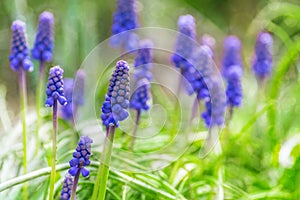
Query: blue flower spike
x=114, y=108
x=81, y=157
x=19, y=57
x=55, y=87
x=44, y=39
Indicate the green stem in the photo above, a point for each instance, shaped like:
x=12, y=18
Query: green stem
x=53, y=163
x=103, y=170
x=39, y=98
x=73, y=193
x=23, y=103
x=137, y=121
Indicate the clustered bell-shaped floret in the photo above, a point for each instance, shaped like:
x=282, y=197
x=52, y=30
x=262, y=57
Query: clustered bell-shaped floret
x=44, y=39
x=55, y=87
x=234, y=86
x=81, y=157
x=186, y=43
x=67, y=110
x=19, y=57
x=116, y=102
x=125, y=19
x=141, y=96
x=67, y=188
x=262, y=65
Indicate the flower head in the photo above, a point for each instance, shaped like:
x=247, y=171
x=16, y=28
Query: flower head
x=81, y=157
x=43, y=44
x=262, y=65
x=114, y=108
x=19, y=57
x=216, y=104
x=67, y=188
x=232, y=55
x=55, y=87
x=141, y=96
x=186, y=43
x=124, y=19
x=234, y=86
x=143, y=61
x=67, y=110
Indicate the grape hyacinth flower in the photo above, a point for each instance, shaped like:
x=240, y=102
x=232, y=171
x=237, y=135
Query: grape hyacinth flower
x=74, y=93
x=232, y=53
x=116, y=103
x=142, y=77
x=44, y=39
x=125, y=19
x=262, y=65
x=67, y=188
x=210, y=42
x=67, y=110
x=55, y=87
x=232, y=72
x=42, y=51
x=19, y=57
x=81, y=159
x=20, y=62
x=55, y=92
x=114, y=109
x=185, y=45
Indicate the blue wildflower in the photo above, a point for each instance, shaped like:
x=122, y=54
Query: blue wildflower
x=262, y=65
x=234, y=86
x=67, y=188
x=114, y=108
x=141, y=96
x=19, y=57
x=55, y=87
x=232, y=53
x=81, y=157
x=185, y=43
x=124, y=19
x=43, y=44
x=67, y=110
x=216, y=104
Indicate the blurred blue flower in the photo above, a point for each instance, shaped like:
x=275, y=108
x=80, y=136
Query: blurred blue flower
x=67, y=188
x=124, y=19
x=67, y=110
x=55, y=87
x=19, y=57
x=114, y=108
x=43, y=44
x=262, y=65
x=81, y=157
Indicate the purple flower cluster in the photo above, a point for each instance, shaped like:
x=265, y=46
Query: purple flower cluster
x=124, y=19
x=201, y=70
x=67, y=188
x=19, y=57
x=114, y=108
x=43, y=44
x=55, y=87
x=142, y=77
x=185, y=43
x=234, y=87
x=81, y=157
x=67, y=110
x=262, y=65
x=232, y=70
x=74, y=93
x=215, y=106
